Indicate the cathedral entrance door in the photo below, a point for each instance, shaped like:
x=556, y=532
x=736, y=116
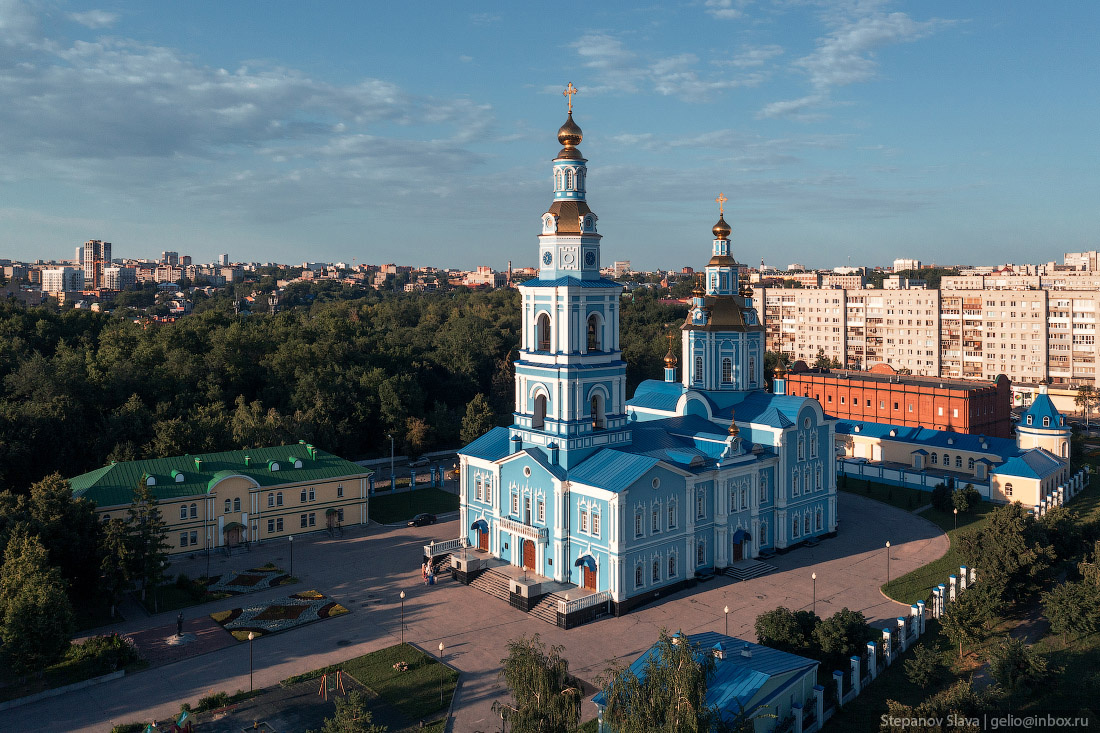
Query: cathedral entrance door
x=589, y=578
x=529, y=554
x=483, y=540
x=738, y=551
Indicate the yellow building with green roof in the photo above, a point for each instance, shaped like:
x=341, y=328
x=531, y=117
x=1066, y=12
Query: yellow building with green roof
x=230, y=498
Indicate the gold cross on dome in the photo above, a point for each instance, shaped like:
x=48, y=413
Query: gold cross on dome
x=721, y=204
x=570, y=90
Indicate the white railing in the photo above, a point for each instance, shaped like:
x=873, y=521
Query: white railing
x=576, y=604
x=441, y=548
x=536, y=534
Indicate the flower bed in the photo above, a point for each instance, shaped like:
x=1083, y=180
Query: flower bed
x=278, y=614
x=248, y=581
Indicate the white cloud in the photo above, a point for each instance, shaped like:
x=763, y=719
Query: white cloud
x=754, y=56
x=726, y=9
x=791, y=107
x=94, y=18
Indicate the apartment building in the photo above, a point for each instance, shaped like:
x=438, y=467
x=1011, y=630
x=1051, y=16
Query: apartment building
x=62, y=280
x=95, y=255
x=1028, y=335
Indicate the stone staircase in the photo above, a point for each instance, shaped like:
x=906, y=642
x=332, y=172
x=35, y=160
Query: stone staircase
x=491, y=582
x=747, y=569
x=547, y=609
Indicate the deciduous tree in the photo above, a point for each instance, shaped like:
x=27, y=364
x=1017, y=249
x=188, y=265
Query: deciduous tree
x=36, y=617
x=1011, y=551
x=147, y=538
x=925, y=666
x=478, y=419
x=352, y=716
x=1017, y=667
x=789, y=631
x=547, y=698
x=840, y=636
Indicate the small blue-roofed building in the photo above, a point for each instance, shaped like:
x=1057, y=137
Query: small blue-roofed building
x=589, y=493
x=1030, y=469
x=749, y=681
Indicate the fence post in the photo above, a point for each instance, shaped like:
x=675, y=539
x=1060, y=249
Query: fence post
x=954, y=580
x=857, y=673
x=962, y=578
x=920, y=618
x=872, y=659
x=819, y=706
x=887, y=646
x=943, y=598
x=796, y=711
x=973, y=576
x=903, y=638
x=838, y=678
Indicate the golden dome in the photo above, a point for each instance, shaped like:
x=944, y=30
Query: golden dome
x=733, y=429
x=721, y=230
x=780, y=371
x=570, y=134
x=670, y=358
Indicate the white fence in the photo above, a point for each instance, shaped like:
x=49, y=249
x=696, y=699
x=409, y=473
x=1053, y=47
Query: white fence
x=576, y=604
x=441, y=548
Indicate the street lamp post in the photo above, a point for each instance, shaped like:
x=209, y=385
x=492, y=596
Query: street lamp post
x=402, y=617
x=251, y=636
x=393, y=475
x=813, y=577
x=956, y=510
x=726, y=613
x=441, y=673
x=292, y=555
x=887, y=562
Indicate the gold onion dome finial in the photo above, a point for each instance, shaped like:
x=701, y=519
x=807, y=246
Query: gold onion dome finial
x=780, y=371
x=733, y=429
x=670, y=358
x=569, y=134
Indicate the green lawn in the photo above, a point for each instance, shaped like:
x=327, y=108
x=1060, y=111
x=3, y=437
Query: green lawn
x=415, y=692
x=391, y=508
x=917, y=585
x=903, y=497
x=1076, y=684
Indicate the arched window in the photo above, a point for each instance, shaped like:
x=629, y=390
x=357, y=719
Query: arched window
x=638, y=576
x=752, y=371
x=477, y=488
x=569, y=179
x=794, y=484
x=764, y=533
x=727, y=371
x=935, y=458
x=278, y=498
x=542, y=332
x=946, y=461
x=195, y=510
x=1046, y=422
x=801, y=447
x=817, y=520
x=236, y=503
x=806, y=524
x=656, y=570
x=958, y=461
x=539, y=418
x=1008, y=489
x=672, y=566
x=656, y=517
x=813, y=447
x=1029, y=418
x=672, y=514
x=183, y=511
x=698, y=369
x=1063, y=449
x=817, y=483
x=598, y=418
x=701, y=553
x=580, y=179
x=638, y=520
x=594, y=333
x=794, y=527
x=970, y=464
x=763, y=488
x=271, y=499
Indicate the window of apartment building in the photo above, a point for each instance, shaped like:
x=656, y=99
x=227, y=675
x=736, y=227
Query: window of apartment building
x=955, y=412
x=183, y=511
x=895, y=406
x=312, y=518
x=228, y=506
x=882, y=404
x=279, y=524
x=183, y=539
x=842, y=399
x=271, y=499
x=868, y=403
x=270, y=526
x=304, y=495
x=339, y=492
x=970, y=463
x=958, y=461
x=194, y=511
x=194, y=538
x=278, y=498
x=304, y=518
x=236, y=503
x=939, y=411
x=312, y=494
x=910, y=407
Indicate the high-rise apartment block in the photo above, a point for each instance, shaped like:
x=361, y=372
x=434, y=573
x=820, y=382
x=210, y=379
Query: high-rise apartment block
x=170, y=258
x=223, y=260
x=119, y=278
x=903, y=264
x=62, y=280
x=94, y=256
x=1028, y=335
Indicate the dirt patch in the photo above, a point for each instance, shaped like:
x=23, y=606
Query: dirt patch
x=281, y=613
x=248, y=580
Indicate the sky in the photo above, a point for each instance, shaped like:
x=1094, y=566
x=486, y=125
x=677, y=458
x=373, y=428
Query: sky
x=422, y=133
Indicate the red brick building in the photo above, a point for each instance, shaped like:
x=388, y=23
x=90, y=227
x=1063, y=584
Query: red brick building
x=884, y=396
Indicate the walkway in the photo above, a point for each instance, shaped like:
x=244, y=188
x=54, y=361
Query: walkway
x=366, y=571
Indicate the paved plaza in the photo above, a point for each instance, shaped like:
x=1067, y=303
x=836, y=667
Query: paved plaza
x=366, y=570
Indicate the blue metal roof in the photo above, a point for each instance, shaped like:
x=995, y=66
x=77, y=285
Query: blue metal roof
x=737, y=679
x=612, y=469
x=1040, y=408
x=761, y=408
x=656, y=395
x=928, y=438
x=1034, y=463
x=492, y=446
x=568, y=281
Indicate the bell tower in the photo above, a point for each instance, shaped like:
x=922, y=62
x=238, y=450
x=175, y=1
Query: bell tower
x=570, y=376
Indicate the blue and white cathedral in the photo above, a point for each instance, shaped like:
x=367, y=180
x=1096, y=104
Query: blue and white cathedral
x=632, y=498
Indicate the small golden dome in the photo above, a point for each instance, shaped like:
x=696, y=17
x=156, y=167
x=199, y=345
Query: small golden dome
x=721, y=230
x=670, y=358
x=733, y=429
x=570, y=134
x=780, y=371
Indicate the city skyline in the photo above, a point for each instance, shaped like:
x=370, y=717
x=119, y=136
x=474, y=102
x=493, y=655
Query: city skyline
x=338, y=132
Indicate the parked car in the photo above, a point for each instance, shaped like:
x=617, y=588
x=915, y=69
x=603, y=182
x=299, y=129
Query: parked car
x=419, y=462
x=421, y=519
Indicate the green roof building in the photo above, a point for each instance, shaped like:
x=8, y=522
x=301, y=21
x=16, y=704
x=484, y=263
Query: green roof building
x=224, y=499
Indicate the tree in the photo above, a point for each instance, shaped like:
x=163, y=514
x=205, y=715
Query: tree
x=1017, y=667
x=840, y=636
x=116, y=563
x=941, y=498
x=669, y=695
x=822, y=362
x=960, y=701
x=547, y=697
x=1064, y=530
x=70, y=531
x=351, y=716
x=1011, y=551
x=1073, y=608
x=37, y=620
x=1086, y=398
x=925, y=666
x=417, y=434
x=965, y=499
x=479, y=419
x=965, y=620
x=147, y=539
x=786, y=630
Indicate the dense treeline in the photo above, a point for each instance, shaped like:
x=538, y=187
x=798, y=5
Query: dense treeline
x=336, y=366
